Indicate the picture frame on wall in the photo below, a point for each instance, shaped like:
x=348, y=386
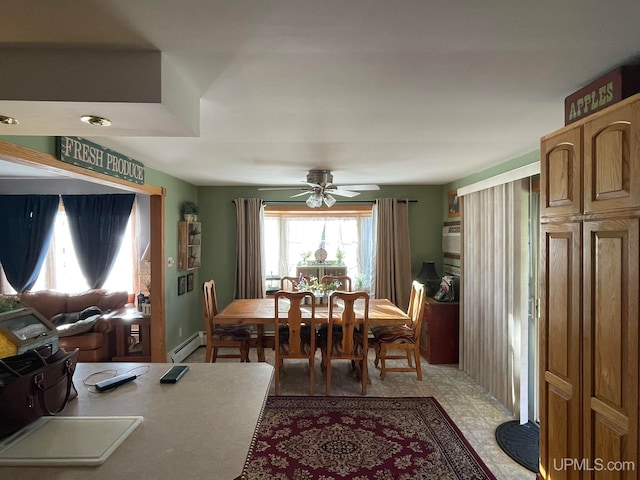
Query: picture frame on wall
x=189, y=282
x=453, y=203
x=182, y=284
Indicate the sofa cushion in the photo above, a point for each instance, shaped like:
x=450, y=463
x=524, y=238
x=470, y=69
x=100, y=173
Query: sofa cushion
x=83, y=341
x=102, y=299
x=47, y=302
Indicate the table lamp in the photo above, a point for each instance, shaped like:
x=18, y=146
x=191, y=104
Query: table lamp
x=429, y=277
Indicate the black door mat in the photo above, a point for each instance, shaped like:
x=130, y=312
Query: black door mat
x=520, y=442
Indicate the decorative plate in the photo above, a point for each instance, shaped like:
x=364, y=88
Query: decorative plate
x=321, y=255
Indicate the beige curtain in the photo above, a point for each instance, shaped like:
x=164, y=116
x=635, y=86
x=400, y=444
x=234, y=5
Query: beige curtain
x=249, y=277
x=495, y=286
x=393, y=251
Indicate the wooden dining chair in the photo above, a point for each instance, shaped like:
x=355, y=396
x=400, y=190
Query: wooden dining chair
x=296, y=336
x=290, y=284
x=401, y=337
x=222, y=336
x=345, y=281
x=345, y=336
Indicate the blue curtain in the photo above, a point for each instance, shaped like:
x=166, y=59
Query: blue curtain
x=97, y=224
x=26, y=227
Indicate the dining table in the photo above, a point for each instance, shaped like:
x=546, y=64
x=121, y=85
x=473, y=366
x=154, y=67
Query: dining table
x=261, y=312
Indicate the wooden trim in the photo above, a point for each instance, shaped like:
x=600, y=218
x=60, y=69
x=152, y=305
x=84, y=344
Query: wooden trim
x=304, y=211
x=455, y=256
x=452, y=224
x=33, y=158
x=158, y=279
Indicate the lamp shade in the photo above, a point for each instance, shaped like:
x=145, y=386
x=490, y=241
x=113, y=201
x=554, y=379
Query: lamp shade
x=429, y=277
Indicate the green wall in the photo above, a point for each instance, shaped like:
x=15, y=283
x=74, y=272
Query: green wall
x=217, y=213
x=512, y=164
x=182, y=311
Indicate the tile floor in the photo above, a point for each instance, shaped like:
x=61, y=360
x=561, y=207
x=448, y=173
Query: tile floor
x=474, y=411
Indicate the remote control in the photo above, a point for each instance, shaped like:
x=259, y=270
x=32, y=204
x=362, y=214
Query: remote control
x=113, y=382
x=174, y=374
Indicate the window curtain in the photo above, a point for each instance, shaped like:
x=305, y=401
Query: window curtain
x=26, y=227
x=393, y=251
x=493, y=347
x=249, y=252
x=97, y=224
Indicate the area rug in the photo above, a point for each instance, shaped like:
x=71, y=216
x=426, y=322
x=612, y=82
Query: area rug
x=360, y=438
x=520, y=442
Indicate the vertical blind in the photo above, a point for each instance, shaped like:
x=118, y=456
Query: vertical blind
x=495, y=285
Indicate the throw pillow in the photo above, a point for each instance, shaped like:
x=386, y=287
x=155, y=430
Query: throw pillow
x=81, y=326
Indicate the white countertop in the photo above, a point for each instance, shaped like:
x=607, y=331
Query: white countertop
x=198, y=428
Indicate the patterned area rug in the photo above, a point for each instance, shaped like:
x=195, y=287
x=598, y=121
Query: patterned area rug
x=360, y=438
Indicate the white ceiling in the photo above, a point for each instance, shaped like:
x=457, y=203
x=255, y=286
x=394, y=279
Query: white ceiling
x=410, y=92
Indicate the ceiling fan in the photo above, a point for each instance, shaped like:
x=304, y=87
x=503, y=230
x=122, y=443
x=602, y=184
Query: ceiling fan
x=320, y=188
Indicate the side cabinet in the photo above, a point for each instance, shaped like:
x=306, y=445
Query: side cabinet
x=439, y=341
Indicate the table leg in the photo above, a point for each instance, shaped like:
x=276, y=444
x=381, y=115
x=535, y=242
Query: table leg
x=260, y=344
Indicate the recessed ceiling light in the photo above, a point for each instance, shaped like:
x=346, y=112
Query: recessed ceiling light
x=8, y=120
x=95, y=120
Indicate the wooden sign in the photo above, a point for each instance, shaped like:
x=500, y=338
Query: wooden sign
x=607, y=90
x=83, y=153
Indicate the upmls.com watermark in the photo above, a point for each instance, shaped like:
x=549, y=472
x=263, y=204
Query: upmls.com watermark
x=595, y=465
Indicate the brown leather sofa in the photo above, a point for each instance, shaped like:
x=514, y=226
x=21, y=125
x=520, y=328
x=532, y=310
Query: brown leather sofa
x=97, y=345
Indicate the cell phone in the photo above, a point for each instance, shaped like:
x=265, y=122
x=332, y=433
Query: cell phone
x=174, y=374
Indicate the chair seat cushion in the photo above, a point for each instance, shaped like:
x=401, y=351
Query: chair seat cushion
x=336, y=344
x=230, y=333
x=393, y=334
x=305, y=339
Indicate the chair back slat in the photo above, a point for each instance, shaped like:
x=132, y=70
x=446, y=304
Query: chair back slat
x=416, y=308
x=209, y=305
x=292, y=319
x=348, y=321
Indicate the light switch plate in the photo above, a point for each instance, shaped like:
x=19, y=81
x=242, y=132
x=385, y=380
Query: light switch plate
x=170, y=262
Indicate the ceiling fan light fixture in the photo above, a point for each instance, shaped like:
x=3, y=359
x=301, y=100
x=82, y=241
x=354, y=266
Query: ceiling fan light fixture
x=8, y=120
x=96, y=121
x=314, y=200
x=329, y=200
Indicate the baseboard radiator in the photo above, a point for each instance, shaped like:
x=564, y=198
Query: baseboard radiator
x=186, y=348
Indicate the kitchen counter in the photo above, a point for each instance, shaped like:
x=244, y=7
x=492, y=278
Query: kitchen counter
x=198, y=428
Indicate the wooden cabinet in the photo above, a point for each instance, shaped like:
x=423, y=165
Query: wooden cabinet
x=589, y=287
x=189, y=245
x=439, y=336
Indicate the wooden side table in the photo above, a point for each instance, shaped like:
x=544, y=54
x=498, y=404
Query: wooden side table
x=439, y=341
x=122, y=320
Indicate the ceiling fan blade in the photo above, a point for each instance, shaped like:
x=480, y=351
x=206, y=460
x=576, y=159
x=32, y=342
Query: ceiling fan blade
x=279, y=188
x=358, y=187
x=300, y=194
x=343, y=193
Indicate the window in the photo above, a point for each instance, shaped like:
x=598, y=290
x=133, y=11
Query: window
x=61, y=271
x=291, y=233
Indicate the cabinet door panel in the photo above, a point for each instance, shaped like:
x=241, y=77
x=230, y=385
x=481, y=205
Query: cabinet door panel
x=610, y=323
x=560, y=332
x=612, y=160
x=560, y=173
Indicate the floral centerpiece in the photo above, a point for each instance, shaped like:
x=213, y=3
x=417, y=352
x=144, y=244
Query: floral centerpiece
x=319, y=290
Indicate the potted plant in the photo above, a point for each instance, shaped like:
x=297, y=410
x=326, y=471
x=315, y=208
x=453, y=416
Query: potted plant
x=194, y=231
x=8, y=303
x=189, y=211
x=340, y=256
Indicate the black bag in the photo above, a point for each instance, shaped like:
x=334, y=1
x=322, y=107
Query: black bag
x=32, y=386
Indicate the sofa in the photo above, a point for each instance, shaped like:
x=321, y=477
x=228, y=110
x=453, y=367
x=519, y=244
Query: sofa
x=80, y=324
